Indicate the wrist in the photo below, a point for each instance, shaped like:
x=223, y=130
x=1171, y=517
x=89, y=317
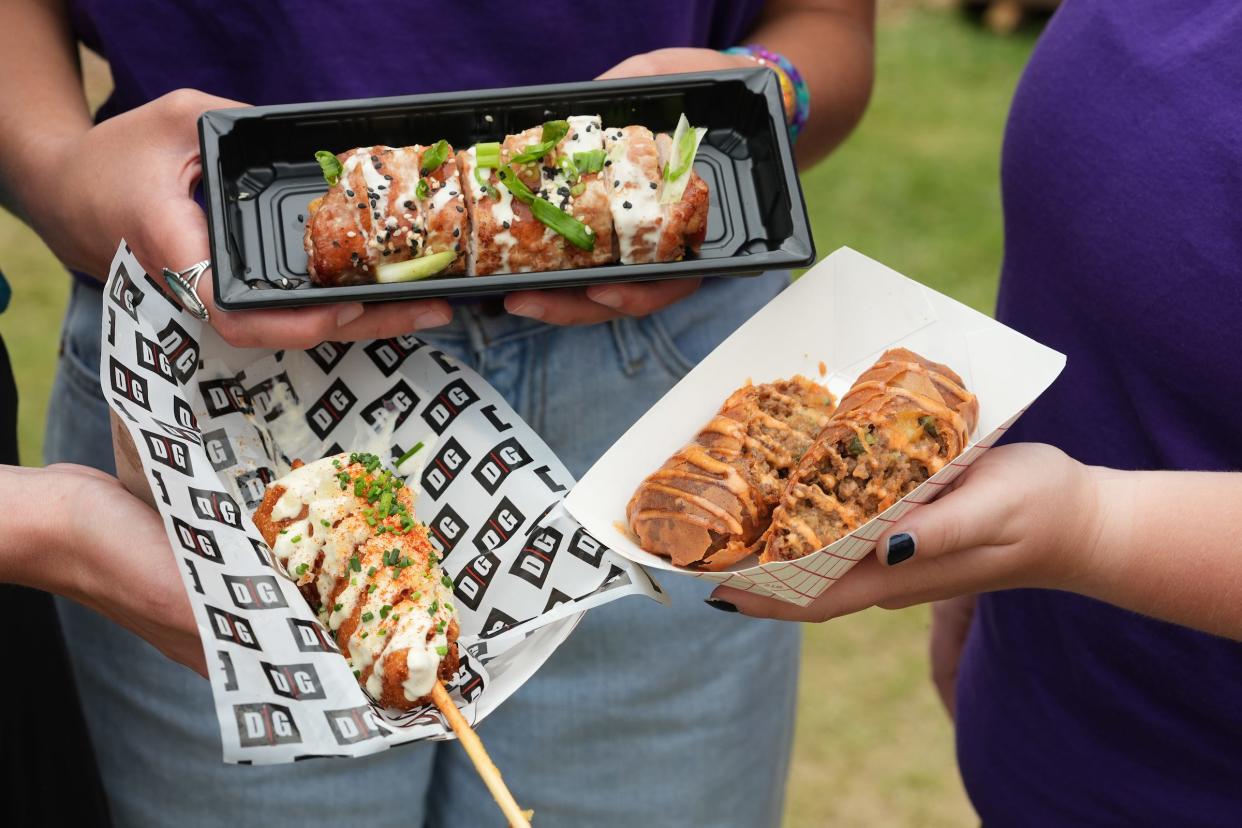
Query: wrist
x=1108, y=508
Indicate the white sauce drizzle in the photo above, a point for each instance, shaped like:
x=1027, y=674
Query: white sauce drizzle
x=635, y=224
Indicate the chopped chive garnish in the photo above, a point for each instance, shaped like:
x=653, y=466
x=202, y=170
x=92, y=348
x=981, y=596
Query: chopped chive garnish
x=370, y=588
x=384, y=610
x=422, y=190
x=371, y=571
x=295, y=539
x=338, y=607
x=354, y=563
x=301, y=570
x=442, y=650
x=325, y=523
x=414, y=450
x=367, y=616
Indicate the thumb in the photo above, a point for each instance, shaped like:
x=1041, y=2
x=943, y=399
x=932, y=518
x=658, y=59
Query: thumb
x=965, y=517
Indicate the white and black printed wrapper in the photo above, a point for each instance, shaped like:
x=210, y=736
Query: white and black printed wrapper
x=213, y=425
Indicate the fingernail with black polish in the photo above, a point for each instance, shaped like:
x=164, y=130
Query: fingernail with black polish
x=900, y=548
x=723, y=606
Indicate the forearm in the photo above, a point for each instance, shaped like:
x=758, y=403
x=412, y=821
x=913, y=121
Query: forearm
x=27, y=533
x=44, y=108
x=1169, y=545
x=832, y=44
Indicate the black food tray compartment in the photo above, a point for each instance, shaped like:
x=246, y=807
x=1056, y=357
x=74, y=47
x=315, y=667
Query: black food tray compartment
x=259, y=175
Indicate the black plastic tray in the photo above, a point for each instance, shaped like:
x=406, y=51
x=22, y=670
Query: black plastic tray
x=259, y=174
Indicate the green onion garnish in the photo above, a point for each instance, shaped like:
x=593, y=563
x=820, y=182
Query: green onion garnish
x=569, y=168
x=422, y=190
x=515, y=185
x=435, y=155
x=338, y=607
x=574, y=231
x=367, y=616
x=442, y=650
x=301, y=570
x=578, y=234
x=330, y=165
x=487, y=154
x=414, y=269
x=676, y=170
x=384, y=610
x=591, y=161
x=553, y=132
x=417, y=447
x=295, y=539
x=354, y=563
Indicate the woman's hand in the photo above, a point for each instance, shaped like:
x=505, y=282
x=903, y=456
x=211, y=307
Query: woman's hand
x=1023, y=515
x=600, y=303
x=88, y=539
x=134, y=176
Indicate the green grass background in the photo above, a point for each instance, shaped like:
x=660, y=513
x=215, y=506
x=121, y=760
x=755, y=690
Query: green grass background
x=915, y=187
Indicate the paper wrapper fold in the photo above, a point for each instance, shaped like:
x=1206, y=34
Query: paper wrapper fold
x=211, y=426
x=831, y=325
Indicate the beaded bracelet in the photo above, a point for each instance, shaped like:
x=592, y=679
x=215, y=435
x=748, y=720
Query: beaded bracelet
x=794, y=91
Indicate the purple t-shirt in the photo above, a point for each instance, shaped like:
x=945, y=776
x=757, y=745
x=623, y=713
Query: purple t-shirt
x=285, y=51
x=1122, y=180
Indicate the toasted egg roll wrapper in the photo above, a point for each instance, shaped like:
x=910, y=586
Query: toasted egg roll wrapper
x=342, y=571
x=708, y=504
x=901, y=422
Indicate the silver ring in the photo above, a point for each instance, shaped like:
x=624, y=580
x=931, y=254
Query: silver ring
x=184, y=284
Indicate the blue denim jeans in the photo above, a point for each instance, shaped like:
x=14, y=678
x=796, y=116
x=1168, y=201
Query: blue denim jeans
x=646, y=716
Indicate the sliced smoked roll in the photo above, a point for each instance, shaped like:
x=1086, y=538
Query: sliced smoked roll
x=709, y=503
x=384, y=209
x=505, y=236
x=647, y=230
x=345, y=532
x=900, y=423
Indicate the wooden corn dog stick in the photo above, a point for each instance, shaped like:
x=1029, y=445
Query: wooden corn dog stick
x=483, y=763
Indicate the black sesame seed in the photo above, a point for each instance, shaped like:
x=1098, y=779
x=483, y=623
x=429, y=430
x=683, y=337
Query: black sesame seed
x=409, y=205
x=608, y=162
x=361, y=206
x=654, y=185
x=574, y=137
x=388, y=178
x=456, y=232
x=452, y=192
x=626, y=205
x=505, y=224
x=349, y=193
x=336, y=243
x=377, y=215
x=461, y=209
x=300, y=218
x=564, y=191
x=374, y=159
x=616, y=183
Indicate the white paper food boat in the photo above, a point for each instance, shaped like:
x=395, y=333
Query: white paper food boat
x=830, y=325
